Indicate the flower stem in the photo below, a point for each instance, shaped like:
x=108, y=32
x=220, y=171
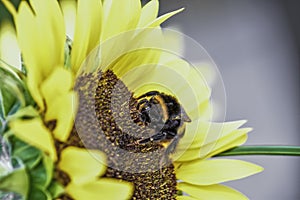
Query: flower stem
x=263, y=150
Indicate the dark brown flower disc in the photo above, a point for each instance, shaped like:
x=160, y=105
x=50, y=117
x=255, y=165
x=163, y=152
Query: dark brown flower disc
x=108, y=120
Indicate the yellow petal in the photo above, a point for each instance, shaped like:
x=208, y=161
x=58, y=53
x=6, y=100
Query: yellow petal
x=210, y=172
x=134, y=63
x=208, y=151
x=206, y=139
x=184, y=82
x=211, y=192
x=197, y=88
x=41, y=37
x=200, y=133
x=58, y=83
x=68, y=8
x=185, y=198
x=63, y=109
x=82, y=165
x=152, y=76
x=195, y=134
x=35, y=133
x=164, y=17
x=28, y=39
x=9, y=49
x=236, y=138
x=186, y=155
x=175, y=41
x=139, y=48
x=87, y=30
x=218, y=131
x=116, y=22
x=149, y=13
x=101, y=189
x=51, y=35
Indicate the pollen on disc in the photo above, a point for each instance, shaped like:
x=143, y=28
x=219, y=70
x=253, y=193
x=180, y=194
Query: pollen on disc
x=107, y=120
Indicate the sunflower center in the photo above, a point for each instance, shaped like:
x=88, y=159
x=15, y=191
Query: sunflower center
x=128, y=130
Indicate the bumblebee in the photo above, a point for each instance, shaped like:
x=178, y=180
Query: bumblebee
x=159, y=108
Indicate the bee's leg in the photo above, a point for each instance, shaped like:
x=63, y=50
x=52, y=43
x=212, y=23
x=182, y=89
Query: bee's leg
x=141, y=141
x=172, y=146
x=144, y=107
x=169, y=150
x=143, y=101
x=144, y=117
x=170, y=134
x=157, y=137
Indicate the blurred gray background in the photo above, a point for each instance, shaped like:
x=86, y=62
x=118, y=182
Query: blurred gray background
x=255, y=44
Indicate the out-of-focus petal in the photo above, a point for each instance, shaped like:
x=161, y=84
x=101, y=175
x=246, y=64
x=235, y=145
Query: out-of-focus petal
x=9, y=49
x=68, y=8
x=35, y=133
x=87, y=30
x=149, y=13
x=101, y=189
x=63, y=109
x=58, y=83
x=82, y=165
x=51, y=36
x=116, y=22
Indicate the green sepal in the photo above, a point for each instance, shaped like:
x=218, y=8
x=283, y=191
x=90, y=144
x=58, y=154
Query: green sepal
x=56, y=189
x=27, y=112
x=37, y=193
x=12, y=90
x=49, y=169
x=14, y=93
x=29, y=155
x=39, y=167
x=16, y=181
x=38, y=175
x=67, y=53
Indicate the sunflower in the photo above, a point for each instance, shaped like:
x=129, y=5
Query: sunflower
x=111, y=72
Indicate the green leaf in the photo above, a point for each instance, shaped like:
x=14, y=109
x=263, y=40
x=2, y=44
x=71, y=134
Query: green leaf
x=39, y=166
x=2, y=109
x=14, y=92
x=29, y=155
x=38, y=175
x=26, y=112
x=68, y=48
x=42, y=174
x=49, y=168
x=263, y=150
x=55, y=189
x=16, y=181
x=9, y=195
x=37, y=193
